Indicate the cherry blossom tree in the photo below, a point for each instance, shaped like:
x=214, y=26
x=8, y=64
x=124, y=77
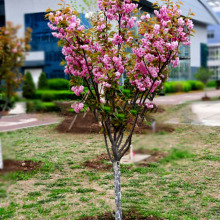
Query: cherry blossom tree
x=120, y=41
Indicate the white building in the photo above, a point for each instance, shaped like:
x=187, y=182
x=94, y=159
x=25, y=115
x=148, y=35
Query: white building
x=214, y=43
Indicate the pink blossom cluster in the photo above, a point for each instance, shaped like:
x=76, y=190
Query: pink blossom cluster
x=114, y=8
x=73, y=24
x=149, y=105
x=77, y=89
x=77, y=107
x=158, y=46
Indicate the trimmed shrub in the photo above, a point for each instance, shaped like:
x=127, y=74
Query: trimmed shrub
x=42, y=82
x=200, y=86
x=58, y=84
x=211, y=84
x=39, y=106
x=168, y=88
x=183, y=86
x=47, y=97
x=196, y=85
x=28, y=89
x=57, y=95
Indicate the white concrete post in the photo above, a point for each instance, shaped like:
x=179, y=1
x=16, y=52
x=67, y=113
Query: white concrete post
x=153, y=126
x=131, y=152
x=1, y=158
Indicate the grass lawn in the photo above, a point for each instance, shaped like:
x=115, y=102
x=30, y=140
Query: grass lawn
x=184, y=185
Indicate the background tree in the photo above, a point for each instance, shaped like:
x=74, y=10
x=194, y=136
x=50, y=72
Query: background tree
x=203, y=75
x=42, y=82
x=28, y=89
x=12, y=56
x=99, y=55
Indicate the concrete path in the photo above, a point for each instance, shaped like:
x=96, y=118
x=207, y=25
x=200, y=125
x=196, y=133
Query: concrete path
x=208, y=113
x=15, y=122
x=181, y=98
x=20, y=108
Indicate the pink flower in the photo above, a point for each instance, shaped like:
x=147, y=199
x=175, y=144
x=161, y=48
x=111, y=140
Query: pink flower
x=77, y=107
x=149, y=105
x=102, y=100
x=105, y=84
x=189, y=23
x=77, y=89
x=14, y=50
x=175, y=62
x=156, y=29
x=180, y=21
x=117, y=39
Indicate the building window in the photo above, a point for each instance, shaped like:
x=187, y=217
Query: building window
x=182, y=71
x=214, y=53
x=211, y=34
x=216, y=74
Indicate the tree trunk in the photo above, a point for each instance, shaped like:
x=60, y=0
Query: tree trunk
x=117, y=177
x=1, y=158
x=4, y=108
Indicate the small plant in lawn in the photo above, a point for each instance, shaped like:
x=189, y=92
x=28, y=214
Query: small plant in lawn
x=203, y=75
x=98, y=57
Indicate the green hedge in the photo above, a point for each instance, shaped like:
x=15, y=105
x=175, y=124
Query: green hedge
x=58, y=84
x=39, y=106
x=183, y=86
x=211, y=84
x=51, y=95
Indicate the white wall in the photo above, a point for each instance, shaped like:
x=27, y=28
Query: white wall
x=15, y=9
x=35, y=56
x=213, y=63
x=35, y=72
x=195, y=48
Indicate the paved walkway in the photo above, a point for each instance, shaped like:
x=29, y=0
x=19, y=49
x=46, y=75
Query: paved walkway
x=181, y=98
x=20, y=108
x=208, y=113
x=15, y=122
x=17, y=119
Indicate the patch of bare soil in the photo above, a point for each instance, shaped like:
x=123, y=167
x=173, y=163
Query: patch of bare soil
x=83, y=124
x=130, y=215
x=206, y=98
x=14, y=165
x=160, y=109
x=142, y=128
x=100, y=162
x=86, y=124
x=154, y=158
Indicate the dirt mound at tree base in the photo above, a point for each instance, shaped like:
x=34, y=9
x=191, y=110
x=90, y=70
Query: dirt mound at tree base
x=14, y=165
x=127, y=215
x=87, y=124
x=154, y=158
x=102, y=162
x=99, y=163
